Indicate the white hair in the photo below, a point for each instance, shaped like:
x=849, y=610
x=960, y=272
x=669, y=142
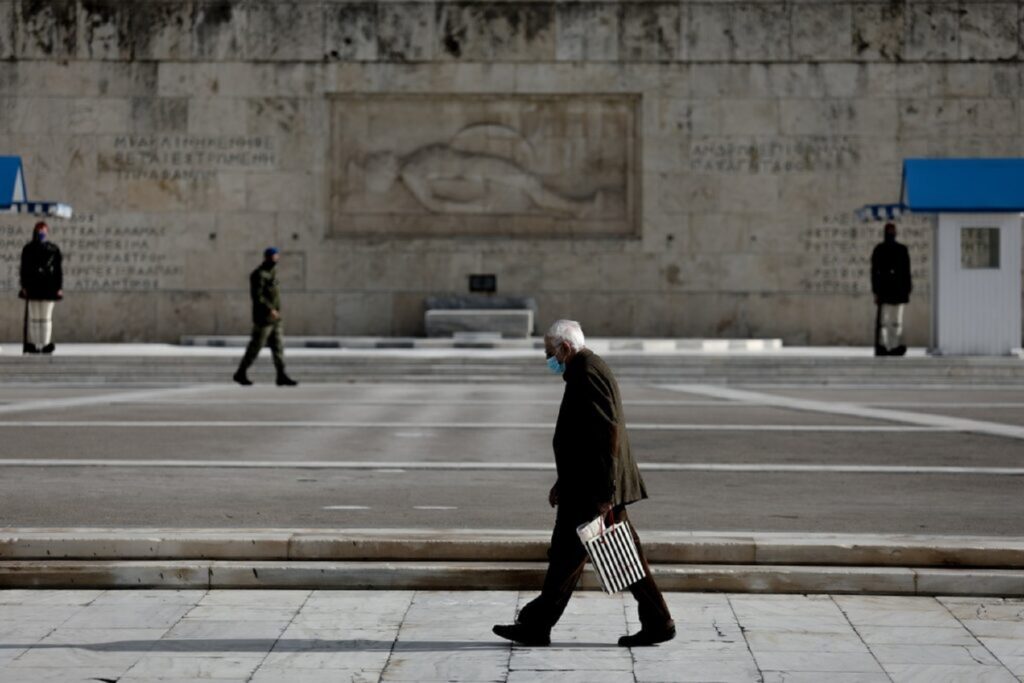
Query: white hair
x=567, y=331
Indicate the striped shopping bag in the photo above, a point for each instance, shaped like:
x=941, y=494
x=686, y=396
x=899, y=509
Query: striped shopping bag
x=612, y=552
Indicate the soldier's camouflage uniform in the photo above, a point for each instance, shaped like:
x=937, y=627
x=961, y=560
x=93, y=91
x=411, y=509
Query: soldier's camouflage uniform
x=266, y=297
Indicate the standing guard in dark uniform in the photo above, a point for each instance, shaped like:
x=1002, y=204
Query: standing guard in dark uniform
x=42, y=285
x=891, y=285
x=267, y=327
x=596, y=474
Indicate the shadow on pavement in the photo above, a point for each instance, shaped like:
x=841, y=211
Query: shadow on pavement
x=287, y=645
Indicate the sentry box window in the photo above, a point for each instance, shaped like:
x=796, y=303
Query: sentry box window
x=979, y=248
x=487, y=284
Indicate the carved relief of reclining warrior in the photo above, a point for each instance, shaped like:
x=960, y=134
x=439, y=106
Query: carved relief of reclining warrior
x=464, y=176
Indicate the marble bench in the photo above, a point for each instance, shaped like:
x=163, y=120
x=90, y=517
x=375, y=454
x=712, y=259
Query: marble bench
x=448, y=315
x=447, y=322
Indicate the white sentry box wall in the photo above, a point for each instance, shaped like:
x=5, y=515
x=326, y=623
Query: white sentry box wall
x=977, y=310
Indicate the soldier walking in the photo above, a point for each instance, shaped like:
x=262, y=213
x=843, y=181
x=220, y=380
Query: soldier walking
x=267, y=327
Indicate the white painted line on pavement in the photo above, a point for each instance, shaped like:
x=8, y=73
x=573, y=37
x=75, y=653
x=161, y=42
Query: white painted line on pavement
x=646, y=403
x=778, y=428
x=945, y=422
x=284, y=401
x=512, y=466
x=279, y=424
x=42, y=405
x=273, y=424
x=884, y=386
x=855, y=469
x=940, y=404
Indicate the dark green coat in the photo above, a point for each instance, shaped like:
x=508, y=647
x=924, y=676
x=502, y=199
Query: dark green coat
x=265, y=294
x=592, y=455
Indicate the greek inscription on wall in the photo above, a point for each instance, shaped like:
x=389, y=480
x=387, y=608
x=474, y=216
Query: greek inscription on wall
x=777, y=155
x=195, y=158
x=840, y=249
x=101, y=255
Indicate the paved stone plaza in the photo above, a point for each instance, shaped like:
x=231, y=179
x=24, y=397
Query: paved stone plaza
x=336, y=636
x=895, y=461
x=835, y=459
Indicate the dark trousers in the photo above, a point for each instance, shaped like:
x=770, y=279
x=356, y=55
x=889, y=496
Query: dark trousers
x=272, y=335
x=566, y=560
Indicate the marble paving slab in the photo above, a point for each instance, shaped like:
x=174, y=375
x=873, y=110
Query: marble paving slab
x=273, y=674
x=138, y=636
x=49, y=597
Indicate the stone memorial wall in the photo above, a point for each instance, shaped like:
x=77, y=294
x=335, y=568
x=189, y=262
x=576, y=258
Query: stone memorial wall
x=649, y=168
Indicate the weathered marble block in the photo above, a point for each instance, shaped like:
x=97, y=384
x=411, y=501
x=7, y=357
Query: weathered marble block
x=509, y=323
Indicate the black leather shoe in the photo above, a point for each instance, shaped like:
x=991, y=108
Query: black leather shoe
x=900, y=350
x=523, y=635
x=242, y=379
x=286, y=381
x=49, y=348
x=29, y=348
x=646, y=638
x=880, y=351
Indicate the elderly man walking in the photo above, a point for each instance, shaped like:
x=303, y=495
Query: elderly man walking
x=596, y=474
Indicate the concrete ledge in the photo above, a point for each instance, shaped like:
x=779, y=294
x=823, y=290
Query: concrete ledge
x=510, y=359
x=493, y=545
x=956, y=582
x=522, y=341
x=499, y=576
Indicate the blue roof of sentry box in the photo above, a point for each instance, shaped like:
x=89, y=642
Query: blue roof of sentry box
x=963, y=185
x=12, y=181
x=14, y=198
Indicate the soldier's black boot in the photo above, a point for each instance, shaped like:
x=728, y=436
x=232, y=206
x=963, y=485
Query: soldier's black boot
x=49, y=348
x=241, y=378
x=29, y=348
x=284, y=380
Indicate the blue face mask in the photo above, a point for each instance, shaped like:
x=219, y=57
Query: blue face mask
x=40, y=236
x=555, y=366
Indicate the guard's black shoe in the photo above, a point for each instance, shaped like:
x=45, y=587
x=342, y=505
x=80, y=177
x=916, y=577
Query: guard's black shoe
x=524, y=635
x=900, y=350
x=242, y=379
x=646, y=638
x=29, y=348
x=49, y=348
x=286, y=381
x=880, y=351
